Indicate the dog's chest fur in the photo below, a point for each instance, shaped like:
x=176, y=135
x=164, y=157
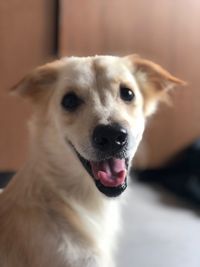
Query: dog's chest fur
x=99, y=228
x=81, y=238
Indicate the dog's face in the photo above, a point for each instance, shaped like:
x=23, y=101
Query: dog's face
x=101, y=104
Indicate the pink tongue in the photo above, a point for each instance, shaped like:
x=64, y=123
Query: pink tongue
x=111, y=172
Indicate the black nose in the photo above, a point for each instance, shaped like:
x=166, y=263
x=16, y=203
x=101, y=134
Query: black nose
x=109, y=138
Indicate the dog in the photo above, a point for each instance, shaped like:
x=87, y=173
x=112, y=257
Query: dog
x=62, y=208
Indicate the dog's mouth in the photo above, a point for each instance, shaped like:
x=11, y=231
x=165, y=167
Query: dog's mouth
x=109, y=175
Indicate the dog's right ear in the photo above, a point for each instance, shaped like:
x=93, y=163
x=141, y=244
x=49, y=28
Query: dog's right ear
x=37, y=82
x=154, y=81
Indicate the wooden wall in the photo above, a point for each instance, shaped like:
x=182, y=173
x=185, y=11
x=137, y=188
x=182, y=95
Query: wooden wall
x=27, y=33
x=162, y=30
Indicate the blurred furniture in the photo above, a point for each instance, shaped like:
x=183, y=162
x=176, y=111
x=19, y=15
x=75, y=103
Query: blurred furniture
x=164, y=31
x=180, y=176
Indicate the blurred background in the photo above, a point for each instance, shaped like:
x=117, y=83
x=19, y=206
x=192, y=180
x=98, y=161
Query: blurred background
x=165, y=31
x=33, y=32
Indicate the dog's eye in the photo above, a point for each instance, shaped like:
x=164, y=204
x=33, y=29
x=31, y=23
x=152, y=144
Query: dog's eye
x=126, y=94
x=71, y=101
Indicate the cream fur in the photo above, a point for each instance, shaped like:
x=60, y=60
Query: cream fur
x=51, y=213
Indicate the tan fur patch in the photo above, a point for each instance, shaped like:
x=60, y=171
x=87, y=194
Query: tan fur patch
x=38, y=83
x=154, y=82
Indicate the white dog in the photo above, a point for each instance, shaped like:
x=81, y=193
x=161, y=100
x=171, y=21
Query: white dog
x=60, y=209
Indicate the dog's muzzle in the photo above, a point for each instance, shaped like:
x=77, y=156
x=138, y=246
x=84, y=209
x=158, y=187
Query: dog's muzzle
x=109, y=172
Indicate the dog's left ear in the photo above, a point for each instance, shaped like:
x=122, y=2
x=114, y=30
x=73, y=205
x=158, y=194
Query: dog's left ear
x=153, y=80
x=37, y=83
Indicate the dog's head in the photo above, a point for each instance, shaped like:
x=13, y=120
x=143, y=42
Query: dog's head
x=98, y=106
